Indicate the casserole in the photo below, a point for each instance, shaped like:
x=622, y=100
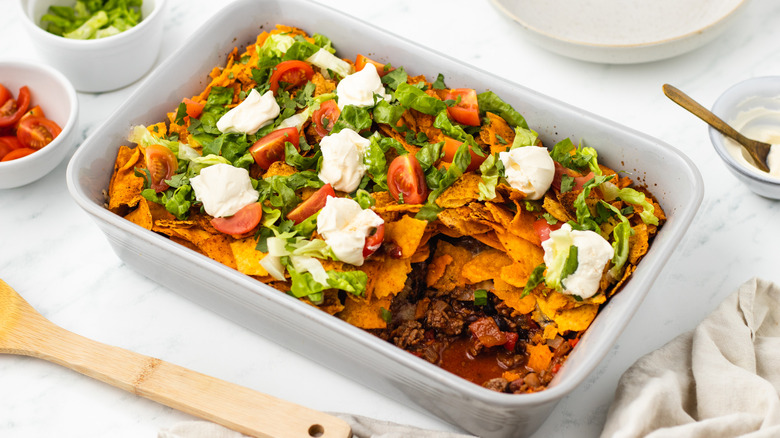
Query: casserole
x=349, y=350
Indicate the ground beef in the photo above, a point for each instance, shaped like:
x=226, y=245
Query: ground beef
x=442, y=318
x=408, y=334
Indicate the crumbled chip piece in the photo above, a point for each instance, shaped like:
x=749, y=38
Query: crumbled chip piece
x=248, y=257
x=406, y=233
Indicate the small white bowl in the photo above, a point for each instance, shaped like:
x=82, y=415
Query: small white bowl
x=745, y=98
x=57, y=98
x=102, y=64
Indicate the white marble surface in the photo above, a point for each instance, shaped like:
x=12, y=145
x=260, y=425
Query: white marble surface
x=53, y=254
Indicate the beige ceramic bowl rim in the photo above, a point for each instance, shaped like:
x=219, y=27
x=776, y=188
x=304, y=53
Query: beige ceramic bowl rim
x=70, y=124
x=498, y=4
x=73, y=44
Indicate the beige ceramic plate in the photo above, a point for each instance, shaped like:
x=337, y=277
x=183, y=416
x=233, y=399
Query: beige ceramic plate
x=621, y=31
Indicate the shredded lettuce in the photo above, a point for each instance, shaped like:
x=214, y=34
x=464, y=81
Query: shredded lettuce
x=92, y=19
x=412, y=97
x=560, y=248
x=490, y=102
x=140, y=135
x=621, y=233
x=524, y=137
x=633, y=197
x=491, y=170
x=572, y=157
x=585, y=219
x=277, y=45
x=440, y=179
x=536, y=278
x=325, y=60
x=376, y=163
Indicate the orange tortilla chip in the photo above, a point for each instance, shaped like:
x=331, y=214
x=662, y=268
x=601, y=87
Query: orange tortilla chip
x=576, y=319
x=453, y=272
x=522, y=225
x=517, y=274
x=330, y=303
x=365, y=314
x=407, y=233
x=485, y=266
x=462, y=192
x=539, y=356
x=638, y=244
x=513, y=297
x=391, y=277
x=124, y=189
x=554, y=207
x=436, y=268
x=247, y=257
x=461, y=221
x=497, y=133
x=521, y=250
x=279, y=168
x=142, y=215
x=490, y=239
x=218, y=248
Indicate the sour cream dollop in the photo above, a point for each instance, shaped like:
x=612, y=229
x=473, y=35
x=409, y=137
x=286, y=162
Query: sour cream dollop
x=529, y=169
x=250, y=115
x=359, y=88
x=342, y=159
x=224, y=189
x=345, y=225
x=762, y=124
x=593, y=254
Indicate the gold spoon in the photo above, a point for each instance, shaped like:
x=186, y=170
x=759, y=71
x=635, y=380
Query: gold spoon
x=758, y=150
x=25, y=332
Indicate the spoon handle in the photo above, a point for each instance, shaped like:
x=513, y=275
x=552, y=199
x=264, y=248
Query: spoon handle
x=696, y=109
x=236, y=407
x=757, y=150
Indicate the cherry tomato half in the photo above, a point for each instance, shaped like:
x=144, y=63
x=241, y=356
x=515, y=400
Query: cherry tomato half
x=13, y=109
x=467, y=110
x=381, y=69
x=244, y=221
x=312, y=204
x=194, y=109
x=405, y=178
x=162, y=164
x=451, y=147
x=374, y=241
x=292, y=73
x=270, y=148
x=36, y=132
x=543, y=229
x=35, y=111
x=325, y=116
x=17, y=153
x=8, y=143
x=4, y=94
x=579, y=179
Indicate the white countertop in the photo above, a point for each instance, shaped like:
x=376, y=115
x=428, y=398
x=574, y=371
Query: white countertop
x=55, y=257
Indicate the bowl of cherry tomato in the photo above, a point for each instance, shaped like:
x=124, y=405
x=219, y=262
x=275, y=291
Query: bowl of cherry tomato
x=38, y=119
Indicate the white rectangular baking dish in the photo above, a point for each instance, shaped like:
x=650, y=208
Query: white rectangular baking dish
x=346, y=349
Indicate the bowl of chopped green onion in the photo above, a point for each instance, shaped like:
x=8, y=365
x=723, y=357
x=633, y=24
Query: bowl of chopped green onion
x=99, y=45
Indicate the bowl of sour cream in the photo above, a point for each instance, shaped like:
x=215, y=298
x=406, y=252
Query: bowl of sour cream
x=752, y=107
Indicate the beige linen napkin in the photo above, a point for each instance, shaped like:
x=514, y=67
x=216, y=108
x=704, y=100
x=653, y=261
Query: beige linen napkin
x=720, y=380
x=362, y=427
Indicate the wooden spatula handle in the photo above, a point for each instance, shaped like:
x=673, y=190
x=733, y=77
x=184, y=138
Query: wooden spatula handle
x=236, y=407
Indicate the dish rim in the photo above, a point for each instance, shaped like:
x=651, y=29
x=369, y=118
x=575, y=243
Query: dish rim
x=553, y=393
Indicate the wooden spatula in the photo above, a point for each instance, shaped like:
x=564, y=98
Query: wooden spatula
x=26, y=332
